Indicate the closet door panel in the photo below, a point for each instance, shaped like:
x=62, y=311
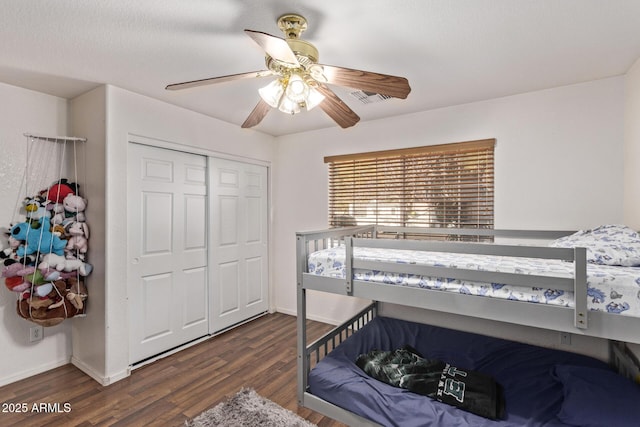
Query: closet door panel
x=167, y=249
x=239, y=200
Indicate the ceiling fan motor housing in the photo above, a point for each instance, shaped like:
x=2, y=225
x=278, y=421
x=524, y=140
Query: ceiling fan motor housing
x=305, y=52
x=292, y=25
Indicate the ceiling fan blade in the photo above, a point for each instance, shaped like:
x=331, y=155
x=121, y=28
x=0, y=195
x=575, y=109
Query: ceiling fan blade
x=275, y=47
x=383, y=84
x=336, y=108
x=222, y=79
x=258, y=113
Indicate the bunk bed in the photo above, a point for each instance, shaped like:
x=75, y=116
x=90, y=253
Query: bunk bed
x=364, y=262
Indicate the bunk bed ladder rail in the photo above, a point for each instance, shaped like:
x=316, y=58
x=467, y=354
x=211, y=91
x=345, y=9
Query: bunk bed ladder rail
x=348, y=265
x=581, y=320
x=305, y=242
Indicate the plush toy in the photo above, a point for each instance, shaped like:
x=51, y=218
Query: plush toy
x=57, y=213
x=9, y=254
x=74, y=207
x=61, y=263
x=14, y=268
x=38, y=283
x=61, y=189
x=78, y=233
x=73, y=210
x=58, y=230
x=41, y=240
x=65, y=300
x=13, y=274
x=35, y=208
x=16, y=284
x=51, y=274
x=76, y=294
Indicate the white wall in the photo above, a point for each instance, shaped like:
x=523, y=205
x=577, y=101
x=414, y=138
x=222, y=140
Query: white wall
x=632, y=154
x=632, y=147
x=21, y=111
x=558, y=165
x=88, y=119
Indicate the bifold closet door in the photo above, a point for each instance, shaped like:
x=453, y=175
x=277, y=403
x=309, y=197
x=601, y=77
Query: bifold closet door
x=239, y=242
x=167, y=244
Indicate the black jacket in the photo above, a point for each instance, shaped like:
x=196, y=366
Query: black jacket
x=468, y=390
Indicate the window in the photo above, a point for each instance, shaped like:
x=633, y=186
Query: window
x=440, y=186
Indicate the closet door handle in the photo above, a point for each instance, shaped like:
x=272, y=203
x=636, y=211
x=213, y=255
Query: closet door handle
x=135, y=260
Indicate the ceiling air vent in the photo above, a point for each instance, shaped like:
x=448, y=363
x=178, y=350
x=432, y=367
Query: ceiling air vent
x=368, y=97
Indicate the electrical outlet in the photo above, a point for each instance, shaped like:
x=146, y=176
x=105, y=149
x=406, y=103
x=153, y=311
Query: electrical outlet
x=36, y=333
x=565, y=338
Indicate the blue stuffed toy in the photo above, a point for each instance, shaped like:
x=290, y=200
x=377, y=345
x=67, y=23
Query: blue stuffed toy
x=37, y=240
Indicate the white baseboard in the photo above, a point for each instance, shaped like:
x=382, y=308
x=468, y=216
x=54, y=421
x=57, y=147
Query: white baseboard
x=309, y=316
x=33, y=371
x=99, y=377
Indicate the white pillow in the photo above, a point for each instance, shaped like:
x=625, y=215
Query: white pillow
x=607, y=244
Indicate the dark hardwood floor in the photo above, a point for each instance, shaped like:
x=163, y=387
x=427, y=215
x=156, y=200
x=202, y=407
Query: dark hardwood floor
x=260, y=354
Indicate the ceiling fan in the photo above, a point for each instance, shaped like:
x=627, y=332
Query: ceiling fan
x=301, y=81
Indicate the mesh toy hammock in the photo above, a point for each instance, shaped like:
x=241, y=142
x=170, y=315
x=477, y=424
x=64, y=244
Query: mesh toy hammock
x=45, y=262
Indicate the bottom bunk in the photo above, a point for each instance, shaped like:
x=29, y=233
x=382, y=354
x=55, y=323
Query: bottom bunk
x=541, y=387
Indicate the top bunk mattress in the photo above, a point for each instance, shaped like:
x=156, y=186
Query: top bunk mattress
x=533, y=393
x=612, y=289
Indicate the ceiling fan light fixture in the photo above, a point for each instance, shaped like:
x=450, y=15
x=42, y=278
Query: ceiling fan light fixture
x=316, y=72
x=272, y=93
x=289, y=106
x=297, y=89
x=290, y=95
x=314, y=99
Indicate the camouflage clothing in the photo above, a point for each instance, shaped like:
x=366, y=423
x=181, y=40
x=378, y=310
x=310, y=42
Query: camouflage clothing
x=405, y=368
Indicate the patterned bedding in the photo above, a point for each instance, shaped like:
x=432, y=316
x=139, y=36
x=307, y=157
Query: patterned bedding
x=614, y=289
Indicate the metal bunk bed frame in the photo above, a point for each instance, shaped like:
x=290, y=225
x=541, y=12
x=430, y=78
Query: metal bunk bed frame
x=576, y=320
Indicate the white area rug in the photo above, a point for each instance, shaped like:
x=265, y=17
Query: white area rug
x=248, y=409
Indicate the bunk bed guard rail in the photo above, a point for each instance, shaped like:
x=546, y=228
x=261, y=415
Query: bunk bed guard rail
x=577, y=284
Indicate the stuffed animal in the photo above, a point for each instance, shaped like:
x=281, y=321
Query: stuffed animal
x=13, y=274
x=76, y=293
x=38, y=283
x=14, y=268
x=16, y=284
x=41, y=240
x=61, y=263
x=61, y=189
x=35, y=208
x=57, y=213
x=65, y=300
x=9, y=254
x=51, y=274
x=78, y=233
x=74, y=207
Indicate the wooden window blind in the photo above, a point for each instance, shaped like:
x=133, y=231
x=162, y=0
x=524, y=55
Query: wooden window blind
x=449, y=185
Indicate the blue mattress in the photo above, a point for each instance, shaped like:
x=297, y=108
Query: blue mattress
x=533, y=396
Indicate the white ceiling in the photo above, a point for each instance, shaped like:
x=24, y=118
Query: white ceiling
x=452, y=52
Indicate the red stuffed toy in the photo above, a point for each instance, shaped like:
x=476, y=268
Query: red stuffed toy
x=60, y=190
